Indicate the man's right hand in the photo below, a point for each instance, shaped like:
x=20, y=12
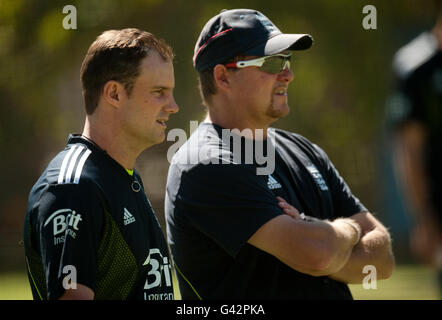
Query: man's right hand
x=288, y=209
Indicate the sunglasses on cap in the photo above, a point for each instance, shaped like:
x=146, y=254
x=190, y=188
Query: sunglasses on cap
x=271, y=64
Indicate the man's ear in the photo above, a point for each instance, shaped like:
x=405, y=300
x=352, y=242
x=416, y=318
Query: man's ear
x=114, y=92
x=221, y=77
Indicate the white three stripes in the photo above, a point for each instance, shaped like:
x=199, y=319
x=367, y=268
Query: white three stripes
x=80, y=165
x=64, y=164
x=72, y=163
x=69, y=164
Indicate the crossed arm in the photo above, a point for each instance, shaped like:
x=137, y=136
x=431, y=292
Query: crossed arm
x=374, y=248
x=339, y=249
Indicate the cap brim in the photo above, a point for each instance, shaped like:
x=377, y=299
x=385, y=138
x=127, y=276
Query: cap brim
x=282, y=42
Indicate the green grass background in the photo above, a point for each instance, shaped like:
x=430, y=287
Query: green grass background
x=407, y=282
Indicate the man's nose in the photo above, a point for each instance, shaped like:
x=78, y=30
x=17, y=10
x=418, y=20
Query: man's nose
x=286, y=75
x=172, y=106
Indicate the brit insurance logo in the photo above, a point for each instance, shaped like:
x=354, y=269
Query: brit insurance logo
x=317, y=177
x=64, y=223
x=159, y=277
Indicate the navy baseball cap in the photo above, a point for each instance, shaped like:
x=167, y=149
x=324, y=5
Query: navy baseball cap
x=242, y=32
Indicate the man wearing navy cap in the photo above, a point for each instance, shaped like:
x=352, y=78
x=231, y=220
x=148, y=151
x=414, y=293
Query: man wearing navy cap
x=231, y=229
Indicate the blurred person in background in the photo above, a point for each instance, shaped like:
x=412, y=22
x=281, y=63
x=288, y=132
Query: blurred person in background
x=90, y=231
x=415, y=115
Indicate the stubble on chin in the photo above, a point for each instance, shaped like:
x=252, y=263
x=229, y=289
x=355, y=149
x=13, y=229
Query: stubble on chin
x=277, y=112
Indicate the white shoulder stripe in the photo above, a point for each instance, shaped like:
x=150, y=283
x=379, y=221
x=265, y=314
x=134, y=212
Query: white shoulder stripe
x=65, y=164
x=80, y=165
x=72, y=164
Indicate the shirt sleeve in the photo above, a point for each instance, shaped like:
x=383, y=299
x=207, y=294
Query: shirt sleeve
x=226, y=202
x=402, y=107
x=345, y=204
x=69, y=221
